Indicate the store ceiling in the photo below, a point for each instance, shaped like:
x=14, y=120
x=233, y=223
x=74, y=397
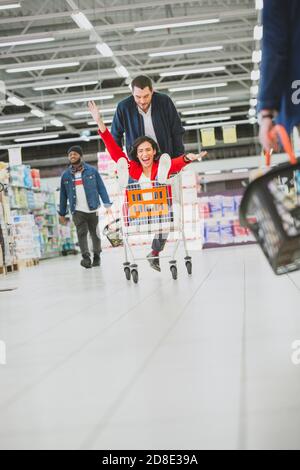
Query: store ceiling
x=45, y=44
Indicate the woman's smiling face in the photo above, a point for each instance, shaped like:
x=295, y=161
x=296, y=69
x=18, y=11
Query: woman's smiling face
x=146, y=154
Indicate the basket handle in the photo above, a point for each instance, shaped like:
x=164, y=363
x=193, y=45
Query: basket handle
x=279, y=131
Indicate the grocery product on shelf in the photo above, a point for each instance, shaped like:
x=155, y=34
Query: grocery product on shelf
x=7, y=243
x=220, y=219
x=28, y=197
x=26, y=237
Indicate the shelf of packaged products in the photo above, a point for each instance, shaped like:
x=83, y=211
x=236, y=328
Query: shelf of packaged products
x=219, y=219
x=38, y=190
x=227, y=245
x=19, y=208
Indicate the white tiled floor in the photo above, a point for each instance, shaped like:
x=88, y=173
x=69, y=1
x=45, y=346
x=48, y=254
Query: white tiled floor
x=204, y=362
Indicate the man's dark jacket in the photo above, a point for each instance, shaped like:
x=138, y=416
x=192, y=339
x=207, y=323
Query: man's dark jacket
x=166, y=122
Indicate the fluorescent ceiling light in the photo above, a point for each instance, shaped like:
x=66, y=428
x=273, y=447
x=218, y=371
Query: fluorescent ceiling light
x=213, y=172
x=122, y=71
x=16, y=131
x=83, y=100
x=204, y=111
x=253, y=102
x=259, y=4
x=258, y=33
x=256, y=57
x=82, y=21
x=18, y=42
x=255, y=75
x=253, y=120
x=197, y=87
x=252, y=112
x=65, y=85
x=40, y=137
x=176, y=25
x=104, y=49
x=87, y=113
x=186, y=51
x=203, y=120
x=203, y=100
x=254, y=90
x=37, y=113
x=15, y=101
x=191, y=71
x=10, y=5
x=8, y=121
x=43, y=67
x=56, y=123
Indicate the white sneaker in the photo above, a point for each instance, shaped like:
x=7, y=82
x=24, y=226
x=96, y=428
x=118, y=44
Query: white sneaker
x=123, y=173
x=164, y=166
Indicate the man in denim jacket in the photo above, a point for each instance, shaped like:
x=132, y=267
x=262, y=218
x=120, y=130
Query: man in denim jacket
x=82, y=185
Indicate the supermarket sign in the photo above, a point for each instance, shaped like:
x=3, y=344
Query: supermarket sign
x=2, y=353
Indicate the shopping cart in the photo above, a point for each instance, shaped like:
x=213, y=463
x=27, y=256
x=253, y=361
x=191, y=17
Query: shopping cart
x=153, y=209
x=271, y=210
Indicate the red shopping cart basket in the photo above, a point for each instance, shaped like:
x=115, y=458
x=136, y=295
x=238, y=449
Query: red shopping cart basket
x=271, y=210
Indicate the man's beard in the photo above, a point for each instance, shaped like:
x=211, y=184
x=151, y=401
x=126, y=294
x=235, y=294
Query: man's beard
x=77, y=163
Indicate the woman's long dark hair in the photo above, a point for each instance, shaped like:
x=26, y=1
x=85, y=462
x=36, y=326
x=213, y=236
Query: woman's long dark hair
x=138, y=142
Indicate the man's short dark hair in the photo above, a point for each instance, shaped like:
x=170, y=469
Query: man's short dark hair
x=142, y=81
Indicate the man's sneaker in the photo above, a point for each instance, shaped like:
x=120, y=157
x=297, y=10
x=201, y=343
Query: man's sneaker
x=96, y=261
x=123, y=173
x=154, y=262
x=86, y=262
x=164, y=166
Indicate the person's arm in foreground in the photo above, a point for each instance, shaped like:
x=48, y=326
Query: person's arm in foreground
x=274, y=66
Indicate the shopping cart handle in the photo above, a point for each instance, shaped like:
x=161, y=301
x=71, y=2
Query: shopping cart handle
x=279, y=131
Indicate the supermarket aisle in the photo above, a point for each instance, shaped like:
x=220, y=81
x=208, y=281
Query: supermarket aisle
x=96, y=362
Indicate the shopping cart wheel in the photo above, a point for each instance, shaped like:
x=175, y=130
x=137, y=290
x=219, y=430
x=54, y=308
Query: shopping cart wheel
x=188, y=265
x=127, y=273
x=135, y=276
x=174, y=272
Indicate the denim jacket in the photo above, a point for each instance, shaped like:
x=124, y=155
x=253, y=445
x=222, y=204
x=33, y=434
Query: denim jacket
x=93, y=186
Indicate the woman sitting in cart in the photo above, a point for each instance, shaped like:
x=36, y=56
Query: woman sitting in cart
x=146, y=165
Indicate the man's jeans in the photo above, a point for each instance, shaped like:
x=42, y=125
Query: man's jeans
x=87, y=223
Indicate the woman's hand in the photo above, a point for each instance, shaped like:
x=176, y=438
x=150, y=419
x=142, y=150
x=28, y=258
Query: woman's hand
x=196, y=156
x=96, y=115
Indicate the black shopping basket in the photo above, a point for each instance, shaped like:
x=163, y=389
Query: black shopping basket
x=113, y=233
x=271, y=210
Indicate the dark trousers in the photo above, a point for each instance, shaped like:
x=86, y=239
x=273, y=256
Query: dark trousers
x=159, y=241
x=87, y=223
